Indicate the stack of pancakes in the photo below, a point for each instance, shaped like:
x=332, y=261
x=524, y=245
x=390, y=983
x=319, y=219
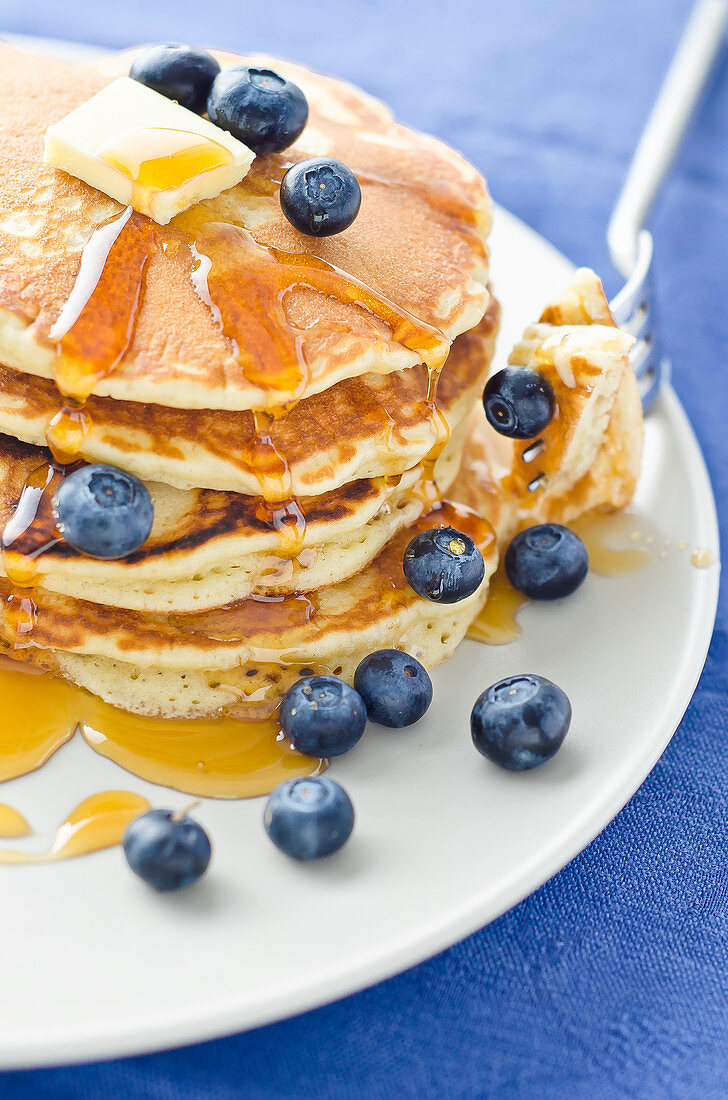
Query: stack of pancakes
x=299, y=408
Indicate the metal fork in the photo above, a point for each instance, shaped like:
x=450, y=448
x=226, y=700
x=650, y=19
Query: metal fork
x=630, y=245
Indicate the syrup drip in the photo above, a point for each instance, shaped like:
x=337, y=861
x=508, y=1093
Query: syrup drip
x=273, y=614
x=217, y=758
x=12, y=823
x=37, y=719
x=31, y=530
x=67, y=431
x=702, y=558
x=249, y=284
x=92, y=334
x=288, y=519
x=159, y=158
x=96, y=823
x=599, y=531
x=95, y=327
x=426, y=487
x=246, y=286
x=496, y=624
x=277, y=508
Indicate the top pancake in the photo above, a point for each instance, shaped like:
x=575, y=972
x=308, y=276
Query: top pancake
x=236, y=309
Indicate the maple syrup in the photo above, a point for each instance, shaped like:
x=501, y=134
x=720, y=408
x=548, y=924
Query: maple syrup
x=98, y=822
x=95, y=328
x=249, y=284
x=31, y=529
x=159, y=158
x=702, y=558
x=217, y=758
x=66, y=433
x=246, y=287
x=222, y=758
x=496, y=624
x=425, y=487
x=12, y=823
x=599, y=531
x=38, y=718
x=267, y=614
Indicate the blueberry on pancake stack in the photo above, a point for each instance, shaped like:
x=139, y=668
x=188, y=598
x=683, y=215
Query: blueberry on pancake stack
x=225, y=425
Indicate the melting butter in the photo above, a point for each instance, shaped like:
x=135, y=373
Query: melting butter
x=145, y=150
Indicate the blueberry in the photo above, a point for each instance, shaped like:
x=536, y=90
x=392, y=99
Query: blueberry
x=309, y=818
x=320, y=196
x=103, y=512
x=183, y=73
x=260, y=108
x=546, y=562
x=394, y=686
x=322, y=716
x=520, y=722
x=166, y=850
x=443, y=565
x=518, y=402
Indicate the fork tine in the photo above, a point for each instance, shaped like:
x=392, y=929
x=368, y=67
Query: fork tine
x=636, y=293
x=634, y=311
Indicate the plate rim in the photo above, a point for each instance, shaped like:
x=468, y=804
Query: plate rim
x=228, y=1017
x=75, y=1045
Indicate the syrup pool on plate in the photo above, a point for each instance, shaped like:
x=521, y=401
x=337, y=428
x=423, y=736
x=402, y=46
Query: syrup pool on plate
x=98, y=822
x=218, y=758
x=497, y=623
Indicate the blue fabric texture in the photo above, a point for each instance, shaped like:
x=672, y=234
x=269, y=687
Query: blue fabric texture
x=612, y=980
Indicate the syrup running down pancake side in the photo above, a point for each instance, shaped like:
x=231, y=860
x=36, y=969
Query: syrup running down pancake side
x=273, y=307
x=223, y=758
x=246, y=286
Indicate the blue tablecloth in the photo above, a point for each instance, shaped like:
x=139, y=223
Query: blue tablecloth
x=612, y=980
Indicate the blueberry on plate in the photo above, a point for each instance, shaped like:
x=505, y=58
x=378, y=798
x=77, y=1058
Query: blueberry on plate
x=260, y=108
x=520, y=722
x=394, y=686
x=320, y=196
x=443, y=565
x=322, y=716
x=178, y=72
x=309, y=818
x=518, y=402
x=166, y=849
x=546, y=562
x=103, y=512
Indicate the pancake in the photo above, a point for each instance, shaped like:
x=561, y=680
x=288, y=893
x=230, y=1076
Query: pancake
x=229, y=307
x=319, y=625
x=364, y=427
x=242, y=657
x=210, y=548
x=333, y=628
x=589, y=455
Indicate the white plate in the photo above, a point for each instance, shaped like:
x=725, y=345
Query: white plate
x=100, y=966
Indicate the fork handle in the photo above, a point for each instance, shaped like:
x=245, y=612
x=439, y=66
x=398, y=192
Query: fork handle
x=668, y=121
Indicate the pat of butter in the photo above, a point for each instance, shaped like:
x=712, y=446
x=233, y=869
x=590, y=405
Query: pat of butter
x=146, y=151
